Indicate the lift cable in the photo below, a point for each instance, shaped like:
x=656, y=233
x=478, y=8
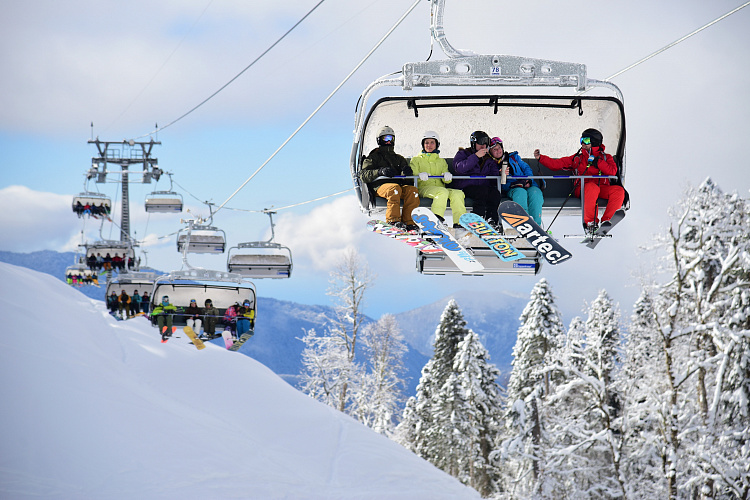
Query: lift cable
x=184, y=37
x=677, y=41
x=238, y=74
x=380, y=42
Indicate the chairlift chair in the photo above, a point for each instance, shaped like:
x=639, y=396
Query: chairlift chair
x=201, y=239
x=261, y=259
x=130, y=282
x=164, y=201
x=531, y=103
x=92, y=199
x=111, y=247
x=222, y=288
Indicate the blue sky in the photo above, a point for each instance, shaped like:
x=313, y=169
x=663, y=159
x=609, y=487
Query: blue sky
x=67, y=65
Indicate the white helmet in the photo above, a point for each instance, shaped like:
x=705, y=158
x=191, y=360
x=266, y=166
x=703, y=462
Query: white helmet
x=386, y=131
x=430, y=134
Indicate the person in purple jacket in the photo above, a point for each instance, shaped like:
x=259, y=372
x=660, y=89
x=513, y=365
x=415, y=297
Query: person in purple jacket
x=476, y=161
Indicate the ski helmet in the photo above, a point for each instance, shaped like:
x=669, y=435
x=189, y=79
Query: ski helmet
x=479, y=137
x=431, y=135
x=495, y=141
x=595, y=136
x=383, y=136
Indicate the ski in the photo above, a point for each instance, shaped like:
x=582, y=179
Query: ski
x=440, y=235
x=603, y=232
x=198, y=343
x=227, y=336
x=514, y=215
x=481, y=228
x=413, y=240
x=243, y=338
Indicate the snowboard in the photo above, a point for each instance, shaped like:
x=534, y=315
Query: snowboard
x=243, y=338
x=514, y=215
x=165, y=336
x=440, y=235
x=413, y=240
x=603, y=232
x=227, y=336
x=198, y=343
x=479, y=227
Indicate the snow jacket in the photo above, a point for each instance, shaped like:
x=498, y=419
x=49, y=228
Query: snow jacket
x=518, y=168
x=124, y=298
x=113, y=302
x=467, y=163
x=602, y=164
x=433, y=165
x=162, y=309
x=384, y=162
x=230, y=316
x=193, y=312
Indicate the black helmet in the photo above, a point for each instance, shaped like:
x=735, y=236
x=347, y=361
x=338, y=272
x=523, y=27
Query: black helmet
x=479, y=137
x=595, y=136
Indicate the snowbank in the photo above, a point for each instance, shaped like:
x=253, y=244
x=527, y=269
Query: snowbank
x=95, y=408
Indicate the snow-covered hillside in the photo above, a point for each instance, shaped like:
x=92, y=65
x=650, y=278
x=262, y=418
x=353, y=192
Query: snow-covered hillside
x=95, y=408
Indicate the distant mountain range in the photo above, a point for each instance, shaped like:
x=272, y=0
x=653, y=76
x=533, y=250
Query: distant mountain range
x=281, y=323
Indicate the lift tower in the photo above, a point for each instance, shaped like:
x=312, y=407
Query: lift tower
x=121, y=155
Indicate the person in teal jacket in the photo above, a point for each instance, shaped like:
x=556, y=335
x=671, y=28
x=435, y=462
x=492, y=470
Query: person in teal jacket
x=525, y=192
x=164, y=312
x=429, y=163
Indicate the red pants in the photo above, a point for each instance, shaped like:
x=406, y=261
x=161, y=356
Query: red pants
x=394, y=193
x=615, y=196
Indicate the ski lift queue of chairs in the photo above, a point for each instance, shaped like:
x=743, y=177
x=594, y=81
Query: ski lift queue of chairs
x=551, y=120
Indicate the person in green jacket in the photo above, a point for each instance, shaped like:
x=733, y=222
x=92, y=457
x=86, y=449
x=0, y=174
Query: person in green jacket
x=429, y=163
x=163, y=313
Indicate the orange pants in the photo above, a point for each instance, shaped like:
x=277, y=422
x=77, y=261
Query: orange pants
x=615, y=196
x=394, y=193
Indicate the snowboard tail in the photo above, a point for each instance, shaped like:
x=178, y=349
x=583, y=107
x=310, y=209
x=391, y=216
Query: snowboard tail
x=513, y=214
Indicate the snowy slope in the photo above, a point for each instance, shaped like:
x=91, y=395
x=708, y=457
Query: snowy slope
x=94, y=408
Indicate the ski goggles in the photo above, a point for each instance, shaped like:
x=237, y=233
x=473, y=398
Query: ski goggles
x=586, y=140
x=387, y=138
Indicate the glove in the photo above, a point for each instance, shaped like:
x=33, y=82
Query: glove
x=423, y=176
x=447, y=177
x=387, y=172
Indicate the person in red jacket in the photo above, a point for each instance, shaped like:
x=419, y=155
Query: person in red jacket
x=590, y=160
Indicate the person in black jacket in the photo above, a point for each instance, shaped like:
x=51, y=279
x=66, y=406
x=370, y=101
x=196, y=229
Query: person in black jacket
x=383, y=162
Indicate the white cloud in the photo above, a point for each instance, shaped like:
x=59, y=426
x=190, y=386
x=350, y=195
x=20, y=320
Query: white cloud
x=34, y=220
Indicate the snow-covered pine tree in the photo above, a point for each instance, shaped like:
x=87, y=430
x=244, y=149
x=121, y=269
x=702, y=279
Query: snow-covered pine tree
x=472, y=413
x=418, y=429
x=583, y=411
x=522, y=449
x=705, y=345
x=644, y=387
x=380, y=393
